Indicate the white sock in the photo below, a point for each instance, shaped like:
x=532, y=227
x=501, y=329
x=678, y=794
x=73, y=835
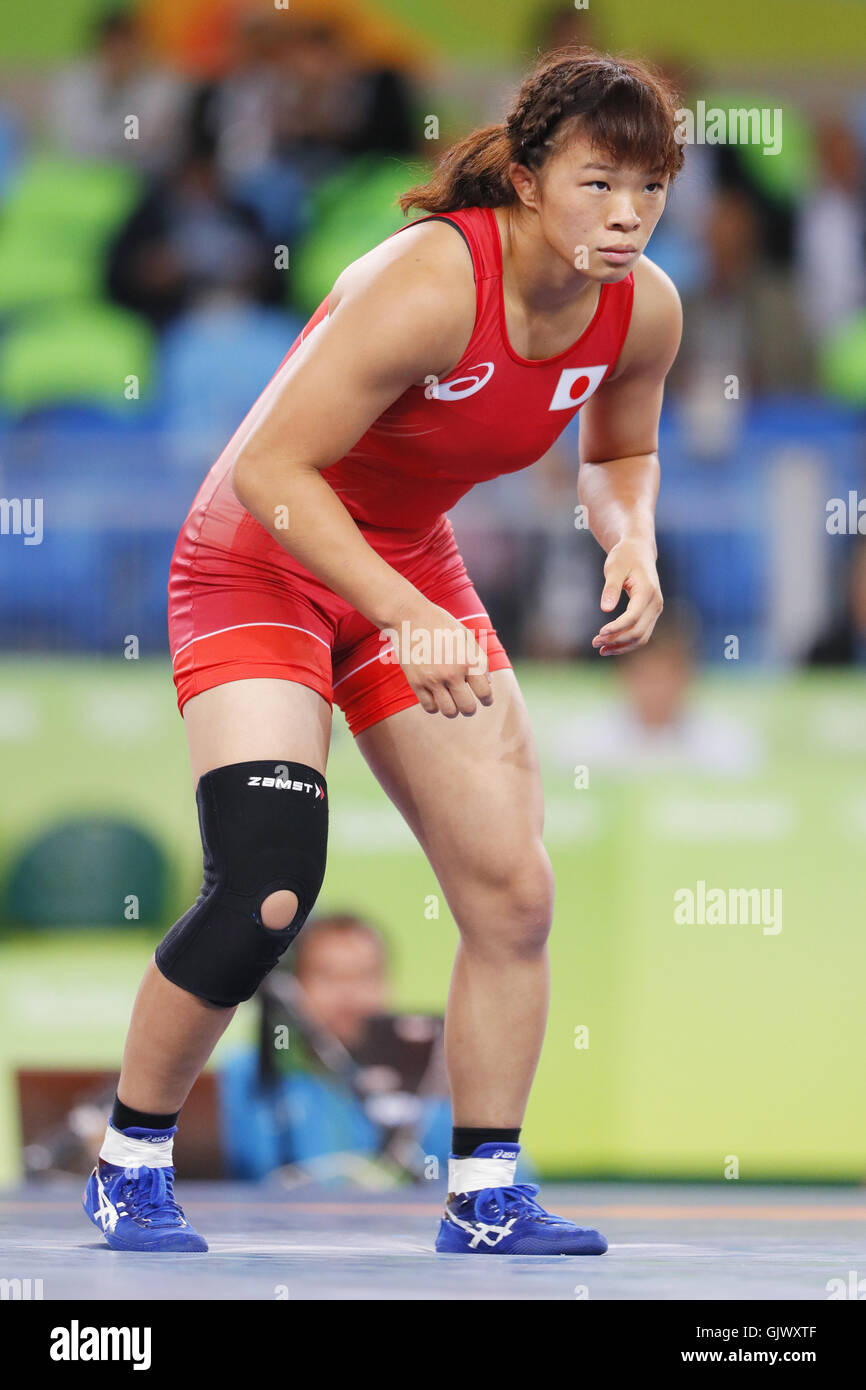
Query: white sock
x=125, y=1151
x=471, y=1174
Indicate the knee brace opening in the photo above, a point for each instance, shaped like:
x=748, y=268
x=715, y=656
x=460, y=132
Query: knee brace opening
x=279, y=910
x=264, y=830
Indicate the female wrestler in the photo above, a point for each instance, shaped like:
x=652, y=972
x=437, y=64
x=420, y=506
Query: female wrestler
x=317, y=565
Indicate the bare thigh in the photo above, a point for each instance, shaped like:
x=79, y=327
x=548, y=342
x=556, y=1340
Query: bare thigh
x=469, y=787
x=246, y=720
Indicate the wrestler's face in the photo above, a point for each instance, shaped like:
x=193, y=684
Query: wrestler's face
x=596, y=215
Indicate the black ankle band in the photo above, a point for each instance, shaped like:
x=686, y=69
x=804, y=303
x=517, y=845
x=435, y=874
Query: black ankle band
x=464, y=1142
x=124, y=1118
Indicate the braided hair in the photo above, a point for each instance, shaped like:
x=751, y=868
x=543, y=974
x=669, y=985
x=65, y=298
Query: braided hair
x=625, y=107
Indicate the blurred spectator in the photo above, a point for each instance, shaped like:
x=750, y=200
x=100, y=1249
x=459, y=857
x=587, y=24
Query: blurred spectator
x=239, y=116
x=342, y=966
x=563, y=612
x=330, y=107
x=293, y=107
x=298, y=94
x=92, y=101
x=746, y=319
x=844, y=642
x=189, y=242
x=831, y=231
x=738, y=174
x=237, y=113
x=297, y=1105
x=560, y=23
x=656, y=726
x=678, y=244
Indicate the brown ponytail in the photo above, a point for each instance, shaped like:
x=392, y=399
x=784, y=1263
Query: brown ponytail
x=626, y=108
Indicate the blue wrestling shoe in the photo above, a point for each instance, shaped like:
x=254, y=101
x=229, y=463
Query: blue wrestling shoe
x=135, y=1209
x=506, y=1219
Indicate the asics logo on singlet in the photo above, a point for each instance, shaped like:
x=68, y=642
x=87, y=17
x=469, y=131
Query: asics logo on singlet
x=283, y=785
x=576, y=385
x=456, y=390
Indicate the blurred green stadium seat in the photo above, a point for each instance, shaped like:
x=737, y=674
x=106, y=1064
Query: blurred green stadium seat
x=77, y=352
x=57, y=219
x=354, y=209
x=842, y=362
x=91, y=871
x=784, y=176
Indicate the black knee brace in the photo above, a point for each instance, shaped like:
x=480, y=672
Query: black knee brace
x=264, y=827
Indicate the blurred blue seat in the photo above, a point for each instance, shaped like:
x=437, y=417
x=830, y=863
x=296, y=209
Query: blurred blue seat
x=56, y=445
x=137, y=567
x=214, y=363
x=11, y=149
x=83, y=417
x=683, y=259
x=278, y=193
x=797, y=416
x=722, y=572
x=858, y=121
x=52, y=594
